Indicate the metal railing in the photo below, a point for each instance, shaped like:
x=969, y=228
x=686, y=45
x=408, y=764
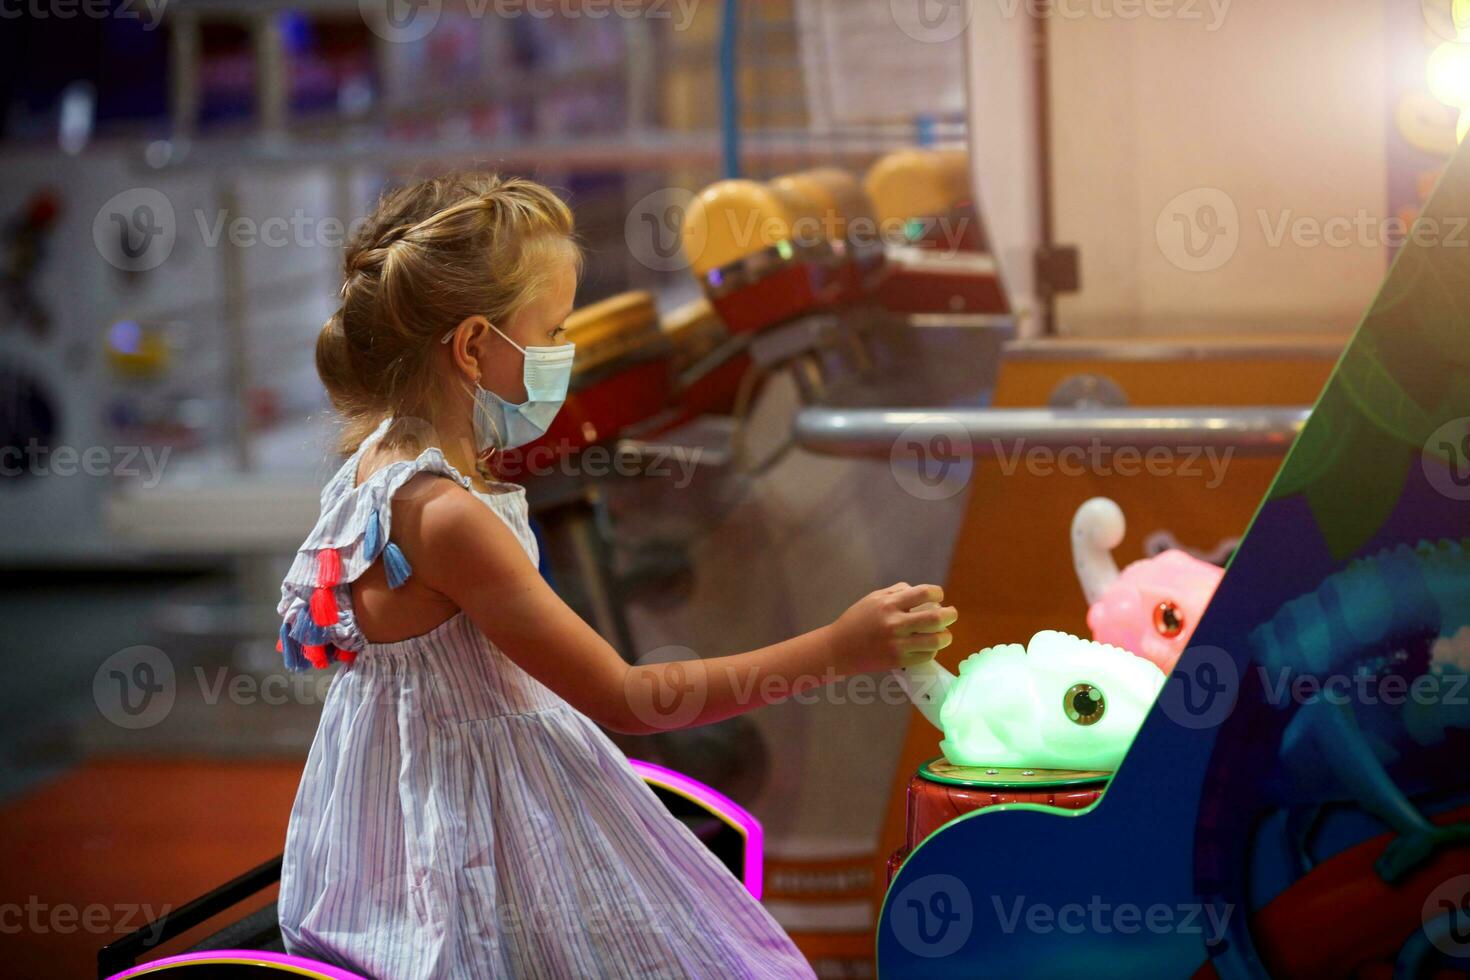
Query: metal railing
x=989, y=432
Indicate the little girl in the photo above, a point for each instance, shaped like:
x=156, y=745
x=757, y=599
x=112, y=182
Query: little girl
x=461, y=814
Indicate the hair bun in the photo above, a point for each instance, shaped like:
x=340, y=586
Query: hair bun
x=341, y=375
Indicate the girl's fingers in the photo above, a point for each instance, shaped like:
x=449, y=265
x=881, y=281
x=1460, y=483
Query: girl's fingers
x=912, y=658
x=929, y=618
x=923, y=654
x=928, y=642
x=916, y=595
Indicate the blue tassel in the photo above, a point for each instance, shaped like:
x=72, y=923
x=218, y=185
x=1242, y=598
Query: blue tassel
x=372, y=540
x=291, y=649
x=308, y=633
x=395, y=565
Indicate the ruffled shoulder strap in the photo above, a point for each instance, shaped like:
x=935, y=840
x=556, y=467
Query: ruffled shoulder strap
x=355, y=529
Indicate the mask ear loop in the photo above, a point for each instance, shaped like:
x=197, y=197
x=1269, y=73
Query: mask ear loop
x=450, y=336
x=482, y=461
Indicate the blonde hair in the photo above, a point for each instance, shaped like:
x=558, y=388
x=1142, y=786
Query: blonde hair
x=431, y=254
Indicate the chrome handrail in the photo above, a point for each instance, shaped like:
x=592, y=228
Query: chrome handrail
x=989, y=432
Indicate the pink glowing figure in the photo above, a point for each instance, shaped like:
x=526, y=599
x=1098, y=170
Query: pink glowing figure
x=1151, y=607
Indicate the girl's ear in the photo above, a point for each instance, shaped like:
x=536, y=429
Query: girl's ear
x=466, y=345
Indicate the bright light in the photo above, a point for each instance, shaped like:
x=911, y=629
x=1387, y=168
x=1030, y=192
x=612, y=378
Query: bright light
x=1448, y=18
x=1449, y=74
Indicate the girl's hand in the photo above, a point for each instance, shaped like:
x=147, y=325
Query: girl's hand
x=899, y=626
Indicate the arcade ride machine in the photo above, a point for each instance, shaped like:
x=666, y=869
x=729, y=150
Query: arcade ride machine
x=1301, y=775
x=1070, y=420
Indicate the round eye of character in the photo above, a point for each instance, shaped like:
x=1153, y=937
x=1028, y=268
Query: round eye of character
x=1168, y=620
x=1084, y=704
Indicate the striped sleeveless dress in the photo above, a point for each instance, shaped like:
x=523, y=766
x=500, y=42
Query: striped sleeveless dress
x=458, y=819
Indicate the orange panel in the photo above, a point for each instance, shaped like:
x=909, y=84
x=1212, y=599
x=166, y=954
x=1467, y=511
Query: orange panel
x=1226, y=371
x=101, y=850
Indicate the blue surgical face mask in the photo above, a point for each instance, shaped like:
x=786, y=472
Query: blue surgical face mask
x=547, y=373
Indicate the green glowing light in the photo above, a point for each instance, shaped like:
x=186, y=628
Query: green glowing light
x=1062, y=703
x=784, y=249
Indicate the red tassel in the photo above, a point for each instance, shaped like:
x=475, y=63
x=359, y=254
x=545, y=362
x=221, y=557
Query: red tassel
x=328, y=567
x=324, y=607
x=346, y=656
x=317, y=656
x=279, y=648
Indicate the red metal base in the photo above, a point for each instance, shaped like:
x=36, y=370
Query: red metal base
x=932, y=804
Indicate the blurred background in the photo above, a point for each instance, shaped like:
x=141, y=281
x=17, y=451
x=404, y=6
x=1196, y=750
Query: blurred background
x=176, y=181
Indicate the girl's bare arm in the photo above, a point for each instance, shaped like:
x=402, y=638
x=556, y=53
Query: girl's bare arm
x=460, y=549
